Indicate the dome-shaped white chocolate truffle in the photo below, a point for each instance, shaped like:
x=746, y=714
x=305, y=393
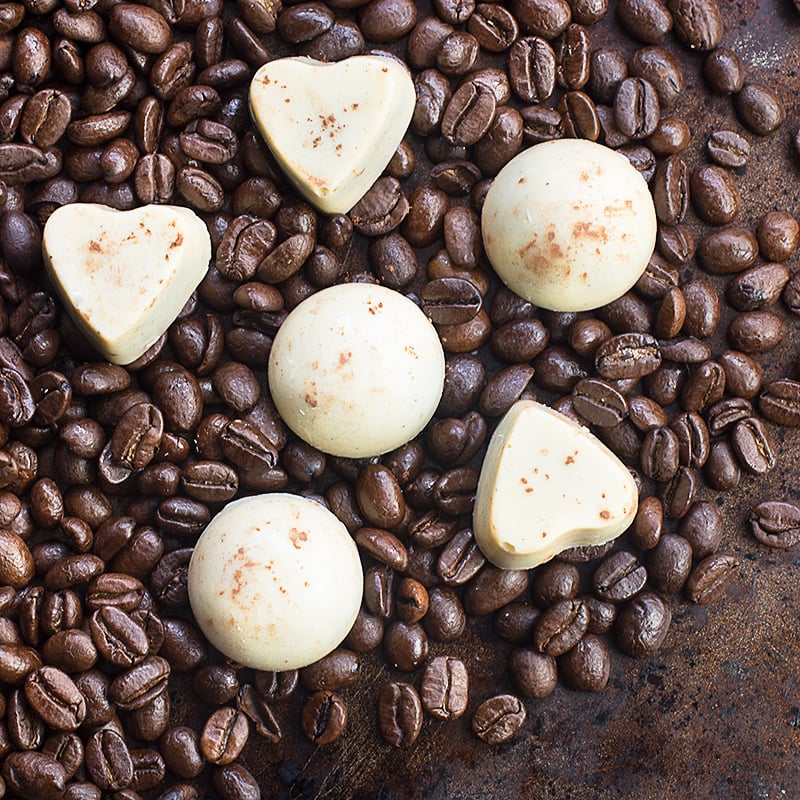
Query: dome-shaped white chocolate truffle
x=356, y=370
x=569, y=225
x=275, y=581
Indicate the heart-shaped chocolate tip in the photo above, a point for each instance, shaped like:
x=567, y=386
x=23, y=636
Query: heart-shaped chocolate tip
x=333, y=127
x=124, y=276
x=548, y=484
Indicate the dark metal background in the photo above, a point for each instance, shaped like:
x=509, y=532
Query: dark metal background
x=716, y=714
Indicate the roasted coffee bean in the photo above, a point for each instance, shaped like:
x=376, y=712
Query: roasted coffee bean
x=759, y=108
x=492, y=588
x=636, y=108
x=405, y=646
x=722, y=471
x=533, y=674
x=714, y=195
x=627, y=355
x=779, y=402
x=671, y=190
x=619, y=577
x=728, y=149
x=660, y=454
x=235, y=782
x=704, y=386
x=224, y=736
x=775, y=523
x=728, y=250
x=642, y=625
x=758, y=287
x=450, y=301
x=139, y=684
x=599, y=403
x=55, y=698
x=702, y=308
x=587, y=666
x=108, y=761
x=494, y=27
x=560, y=627
x=753, y=446
x=697, y=24
x=778, y=234
x=324, y=717
x=676, y=244
x=711, y=578
x=756, y=331
x=670, y=137
x=256, y=709
x=180, y=748
x=662, y=70
x=498, y=719
x=702, y=528
x=399, y=714
x=444, y=688
x=573, y=50
x=579, y=117
x=33, y=774
x=532, y=69
x=723, y=71
x=648, y=21
x=669, y=563
x=725, y=413
x=678, y=494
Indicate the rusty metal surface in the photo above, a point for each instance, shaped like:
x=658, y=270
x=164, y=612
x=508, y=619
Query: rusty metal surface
x=716, y=714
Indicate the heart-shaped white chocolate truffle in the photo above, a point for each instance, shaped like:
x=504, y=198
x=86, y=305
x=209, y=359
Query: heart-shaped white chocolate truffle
x=333, y=127
x=125, y=275
x=547, y=484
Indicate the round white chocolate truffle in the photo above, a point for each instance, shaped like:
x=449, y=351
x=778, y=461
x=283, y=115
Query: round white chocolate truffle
x=569, y=225
x=275, y=581
x=356, y=370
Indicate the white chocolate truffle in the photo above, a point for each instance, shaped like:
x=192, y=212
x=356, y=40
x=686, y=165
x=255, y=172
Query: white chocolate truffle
x=124, y=276
x=547, y=484
x=333, y=127
x=356, y=370
x=569, y=225
x=275, y=581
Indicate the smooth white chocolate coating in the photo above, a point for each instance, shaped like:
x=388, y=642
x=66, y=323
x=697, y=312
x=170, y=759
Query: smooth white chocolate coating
x=124, y=276
x=332, y=127
x=569, y=225
x=275, y=581
x=547, y=484
x=356, y=370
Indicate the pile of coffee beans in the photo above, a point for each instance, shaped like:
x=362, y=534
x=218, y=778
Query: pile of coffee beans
x=109, y=474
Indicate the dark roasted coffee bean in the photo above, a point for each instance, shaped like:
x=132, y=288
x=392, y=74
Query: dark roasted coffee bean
x=532, y=69
x=724, y=71
x=256, y=709
x=775, y=523
x=758, y=287
x=721, y=470
x=224, y=736
x=636, y=107
x=759, y=108
x=619, y=577
x=779, y=402
x=728, y=250
x=778, y=234
x=753, y=446
x=445, y=620
x=33, y=774
x=711, y=578
x=697, y=23
x=659, y=456
x=648, y=21
x=670, y=137
x=494, y=27
x=704, y=386
x=399, y=714
x=444, y=688
x=560, y=627
x=642, y=625
x=573, y=50
x=702, y=527
x=533, y=674
x=756, y=331
x=676, y=244
x=669, y=563
x=234, y=782
x=493, y=588
x=671, y=190
x=498, y=719
x=714, y=195
x=724, y=414
x=627, y=355
x=678, y=494
x=405, y=646
x=108, y=761
x=599, y=403
x=324, y=717
x=55, y=698
x=728, y=148
x=587, y=666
